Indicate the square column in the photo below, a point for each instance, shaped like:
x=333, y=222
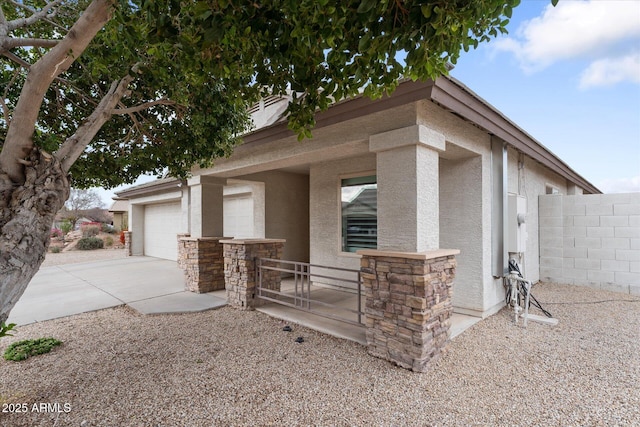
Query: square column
x=408, y=305
x=202, y=262
x=206, y=213
x=240, y=269
x=408, y=188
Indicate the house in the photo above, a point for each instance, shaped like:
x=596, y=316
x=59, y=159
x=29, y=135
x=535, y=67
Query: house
x=432, y=166
x=120, y=211
x=444, y=162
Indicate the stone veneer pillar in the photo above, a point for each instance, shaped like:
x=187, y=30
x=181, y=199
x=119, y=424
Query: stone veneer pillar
x=240, y=275
x=127, y=243
x=202, y=262
x=408, y=305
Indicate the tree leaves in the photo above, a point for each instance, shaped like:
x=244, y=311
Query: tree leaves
x=213, y=58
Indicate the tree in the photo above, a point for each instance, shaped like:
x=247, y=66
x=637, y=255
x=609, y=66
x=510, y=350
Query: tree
x=80, y=201
x=96, y=92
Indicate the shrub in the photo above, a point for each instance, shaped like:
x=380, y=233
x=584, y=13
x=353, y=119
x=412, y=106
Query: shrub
x=107, y=228
x=55, y=233
x=90, y=230
x=22, y=350
x=55, y=249
x=108, y=241
x=89, y=243
x=5, y=329
x=66, y=226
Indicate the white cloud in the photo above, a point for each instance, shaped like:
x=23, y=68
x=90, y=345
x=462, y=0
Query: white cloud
x=609, y=71
x=574, y=29
x=620, y=185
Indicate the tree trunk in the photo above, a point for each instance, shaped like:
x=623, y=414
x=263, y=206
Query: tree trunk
x=27, y=214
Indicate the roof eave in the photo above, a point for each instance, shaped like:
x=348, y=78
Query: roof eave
x=454, y=96
x=151, y=189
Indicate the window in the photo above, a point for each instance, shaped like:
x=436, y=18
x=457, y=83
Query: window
x=359, y=213
x=550, y=189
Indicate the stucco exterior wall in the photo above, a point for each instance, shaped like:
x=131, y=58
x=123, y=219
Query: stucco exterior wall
x=325, y=214
x=137, y=213
x=286, y=210
x=256, y=192
x=465, y=200
x=530, y=179
x=461, y=202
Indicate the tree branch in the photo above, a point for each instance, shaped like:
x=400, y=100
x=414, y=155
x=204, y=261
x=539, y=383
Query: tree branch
x=36, y=15
x=5, y=107
x=21, y=62
x=26, y=42
x=144, y=106
x=18, y=142
x=73, y=147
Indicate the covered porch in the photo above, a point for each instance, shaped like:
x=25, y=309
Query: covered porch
x=405, y=184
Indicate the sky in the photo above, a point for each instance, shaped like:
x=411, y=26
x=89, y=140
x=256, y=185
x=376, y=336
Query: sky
x=570, y=77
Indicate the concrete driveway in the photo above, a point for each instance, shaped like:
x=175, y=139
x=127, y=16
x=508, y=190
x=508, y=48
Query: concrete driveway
x=148, y=285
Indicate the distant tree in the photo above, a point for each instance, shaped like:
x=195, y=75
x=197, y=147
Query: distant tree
x=79, y=203
x=106, y=90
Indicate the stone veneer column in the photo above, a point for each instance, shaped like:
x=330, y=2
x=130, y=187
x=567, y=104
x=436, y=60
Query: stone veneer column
x=127, y=243
x=202, y=262
x=241, y=281
x=408, y=305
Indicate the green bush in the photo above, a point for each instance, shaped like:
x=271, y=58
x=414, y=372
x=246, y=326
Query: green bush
x=66, y=226
x=22, y=350
x=55, y=249
x=5, y=329
x=89, y=243
x=107, y=228
x=108, y=241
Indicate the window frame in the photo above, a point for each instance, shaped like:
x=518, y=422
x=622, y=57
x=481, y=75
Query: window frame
x=341, y=237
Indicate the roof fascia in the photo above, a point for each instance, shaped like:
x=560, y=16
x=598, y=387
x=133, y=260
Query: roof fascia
x=348, y=109
x=150, y=189
x=457, y=98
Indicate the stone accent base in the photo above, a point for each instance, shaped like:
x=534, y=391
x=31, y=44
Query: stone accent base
x=202, y=262
x=127, y=243
x=182, y=250
x=240, y=258
x=408, y=305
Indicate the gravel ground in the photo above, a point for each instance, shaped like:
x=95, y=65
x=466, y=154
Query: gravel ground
x=227, y=367
x=72, y=257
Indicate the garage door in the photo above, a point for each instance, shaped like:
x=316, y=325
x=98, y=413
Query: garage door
x=238, y=216
x=161, y=226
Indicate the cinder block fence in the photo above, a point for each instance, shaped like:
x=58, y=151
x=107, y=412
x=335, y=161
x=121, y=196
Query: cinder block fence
x=591, y=240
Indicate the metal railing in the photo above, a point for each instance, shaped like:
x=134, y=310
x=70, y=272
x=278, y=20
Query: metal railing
x=304, y=275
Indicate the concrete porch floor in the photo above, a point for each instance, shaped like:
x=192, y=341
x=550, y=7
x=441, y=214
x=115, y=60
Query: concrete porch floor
x=343, y=300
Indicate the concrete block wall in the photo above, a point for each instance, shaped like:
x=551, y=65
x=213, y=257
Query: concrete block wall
x=591, y=240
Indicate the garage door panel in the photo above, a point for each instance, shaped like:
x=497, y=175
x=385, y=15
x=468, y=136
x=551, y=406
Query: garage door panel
x=161, y=227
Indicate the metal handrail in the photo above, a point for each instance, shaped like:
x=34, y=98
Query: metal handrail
x=303, y=279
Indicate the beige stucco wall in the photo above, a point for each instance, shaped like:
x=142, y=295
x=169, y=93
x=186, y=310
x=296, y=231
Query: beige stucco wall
x=286, y=210
x=466, y=204
x=530, y=179
x=461, y=204
x=120, y=221
x=137, y=211
x=325, y=215
x=465, y=208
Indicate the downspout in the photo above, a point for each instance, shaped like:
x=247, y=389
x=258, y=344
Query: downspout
x=499, y=207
